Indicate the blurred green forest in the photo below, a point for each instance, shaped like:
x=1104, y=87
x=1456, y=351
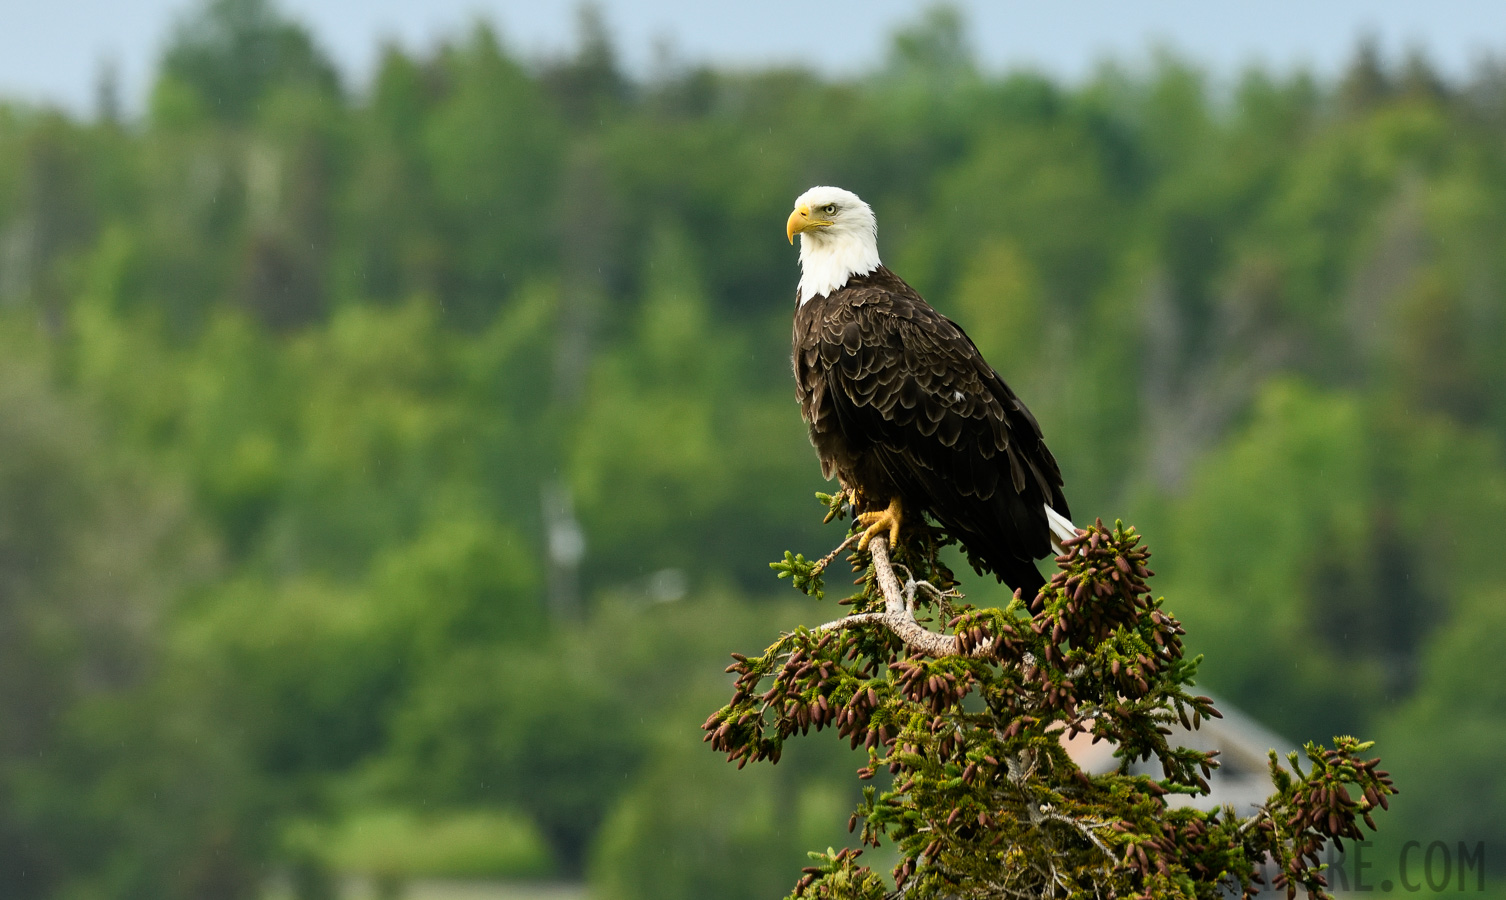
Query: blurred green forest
x=386, y=470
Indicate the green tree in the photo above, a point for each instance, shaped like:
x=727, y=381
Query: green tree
x=985, y=800
x=119, y=777
x=232, y=54
x=493, y=148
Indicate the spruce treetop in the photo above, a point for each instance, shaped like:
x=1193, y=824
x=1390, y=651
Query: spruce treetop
x=967, y=707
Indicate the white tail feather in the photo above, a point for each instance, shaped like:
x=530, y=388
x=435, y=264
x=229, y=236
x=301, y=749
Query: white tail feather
x=1061, y=528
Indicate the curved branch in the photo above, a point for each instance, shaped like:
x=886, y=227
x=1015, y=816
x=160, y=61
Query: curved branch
x=897, y=615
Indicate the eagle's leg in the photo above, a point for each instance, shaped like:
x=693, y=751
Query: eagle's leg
x=880, y=521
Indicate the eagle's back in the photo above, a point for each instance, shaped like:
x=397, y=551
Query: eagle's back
x=899, y=400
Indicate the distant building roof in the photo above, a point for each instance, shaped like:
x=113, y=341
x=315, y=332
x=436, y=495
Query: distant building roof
x=1242, y=779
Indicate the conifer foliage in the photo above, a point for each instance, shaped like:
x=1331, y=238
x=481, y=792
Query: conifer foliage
x=966, y=721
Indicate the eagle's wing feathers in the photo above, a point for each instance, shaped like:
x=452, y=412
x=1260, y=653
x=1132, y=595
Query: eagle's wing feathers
x=900, y=377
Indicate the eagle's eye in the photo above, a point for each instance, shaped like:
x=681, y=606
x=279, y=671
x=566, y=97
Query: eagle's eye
x=830, y=209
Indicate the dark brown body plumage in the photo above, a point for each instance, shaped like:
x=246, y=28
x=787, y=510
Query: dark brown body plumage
x=900, y=402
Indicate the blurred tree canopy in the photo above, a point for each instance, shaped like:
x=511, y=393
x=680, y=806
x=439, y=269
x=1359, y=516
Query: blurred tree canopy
x=419, y=445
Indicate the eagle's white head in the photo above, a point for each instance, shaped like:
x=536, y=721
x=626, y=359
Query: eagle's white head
x=838, y=239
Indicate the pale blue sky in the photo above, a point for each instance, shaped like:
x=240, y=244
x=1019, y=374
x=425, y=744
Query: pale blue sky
x=50, y=50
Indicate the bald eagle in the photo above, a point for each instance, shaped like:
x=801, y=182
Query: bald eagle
x=904, y=410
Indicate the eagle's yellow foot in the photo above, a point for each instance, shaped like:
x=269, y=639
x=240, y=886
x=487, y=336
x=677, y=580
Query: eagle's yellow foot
x=877, y=522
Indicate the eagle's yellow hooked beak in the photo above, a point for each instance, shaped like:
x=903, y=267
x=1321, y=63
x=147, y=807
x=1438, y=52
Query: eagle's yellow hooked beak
x=800, y=221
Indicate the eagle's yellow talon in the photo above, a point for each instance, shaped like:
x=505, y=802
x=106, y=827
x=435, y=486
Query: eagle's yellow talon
x=883, y=520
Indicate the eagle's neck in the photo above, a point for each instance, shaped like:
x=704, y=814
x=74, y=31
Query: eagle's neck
x=828, y=260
